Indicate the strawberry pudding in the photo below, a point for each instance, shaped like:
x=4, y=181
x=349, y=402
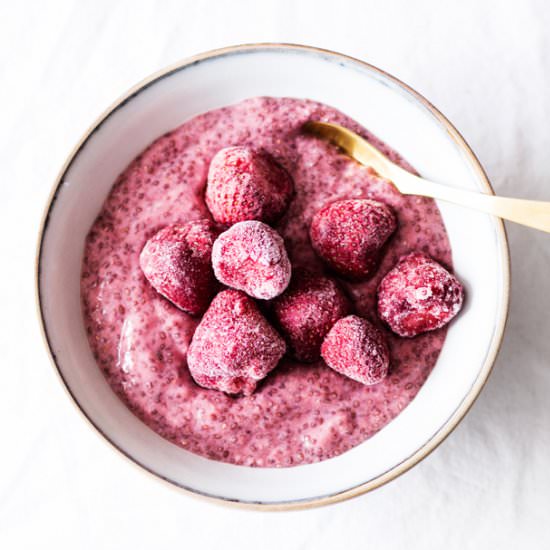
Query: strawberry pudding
x=256, y=297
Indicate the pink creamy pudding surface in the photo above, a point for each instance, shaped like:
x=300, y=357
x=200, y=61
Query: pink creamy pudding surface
x=301, y=413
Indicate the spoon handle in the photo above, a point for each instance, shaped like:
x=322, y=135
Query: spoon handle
x=534, y=214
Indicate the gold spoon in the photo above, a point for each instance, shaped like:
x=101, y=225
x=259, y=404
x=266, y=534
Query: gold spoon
x=531, y=213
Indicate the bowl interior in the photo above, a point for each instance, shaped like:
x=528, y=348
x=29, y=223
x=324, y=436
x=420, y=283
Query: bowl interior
x=389, y=110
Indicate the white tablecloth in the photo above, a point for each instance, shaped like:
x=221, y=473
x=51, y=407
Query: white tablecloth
x=484, y=64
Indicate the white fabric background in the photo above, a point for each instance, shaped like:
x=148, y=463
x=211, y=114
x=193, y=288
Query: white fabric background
x=485, y=64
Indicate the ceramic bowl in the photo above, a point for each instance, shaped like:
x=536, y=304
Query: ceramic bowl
x=395, y=113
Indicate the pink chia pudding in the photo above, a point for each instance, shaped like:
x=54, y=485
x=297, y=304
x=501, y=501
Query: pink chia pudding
x=300, y=413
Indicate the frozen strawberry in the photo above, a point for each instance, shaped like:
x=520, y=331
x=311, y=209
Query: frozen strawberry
x=234, y=347
x=355, y=348
x=247, y=184
x=250, y=256
x=349, y=235
x=418, y=295
x=177, y=263
x=307, y=311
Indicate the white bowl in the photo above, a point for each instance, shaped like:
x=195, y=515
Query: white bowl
x=395, y=113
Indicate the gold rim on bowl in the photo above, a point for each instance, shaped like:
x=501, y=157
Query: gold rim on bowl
x=468, y=399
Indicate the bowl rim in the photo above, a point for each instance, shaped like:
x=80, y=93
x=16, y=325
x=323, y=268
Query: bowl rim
x=468, y=400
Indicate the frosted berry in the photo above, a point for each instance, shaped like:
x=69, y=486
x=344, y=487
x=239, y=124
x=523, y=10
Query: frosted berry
x=234, y=347
x=349, y=235
x=307, y=311
x=355, y=348
x=177, y=263
x=247, y=184
x=418, y=295
x=251, y=256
